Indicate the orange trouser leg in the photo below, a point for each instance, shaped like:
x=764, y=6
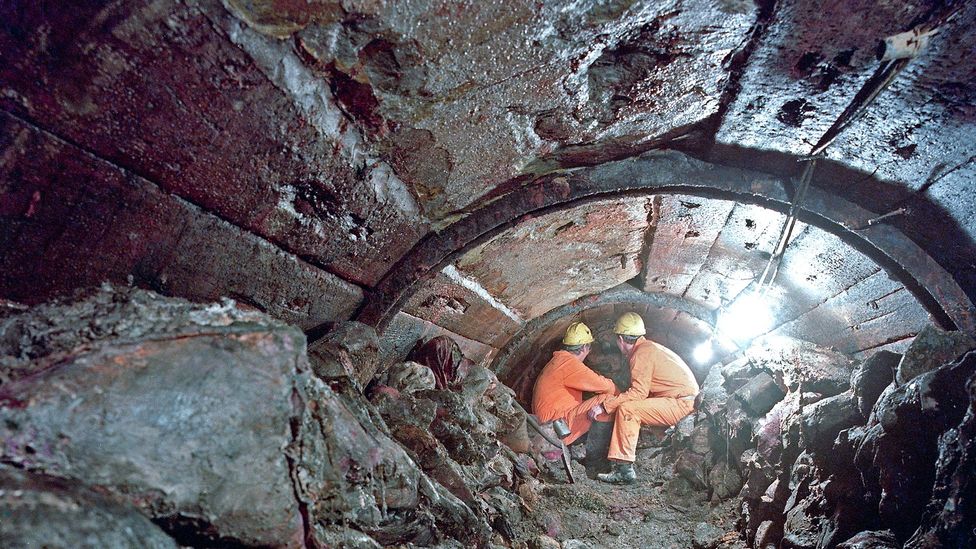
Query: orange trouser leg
x=576, y=417
x=650, y=411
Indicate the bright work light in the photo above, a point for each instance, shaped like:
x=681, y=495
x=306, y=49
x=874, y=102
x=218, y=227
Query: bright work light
x=747, y=317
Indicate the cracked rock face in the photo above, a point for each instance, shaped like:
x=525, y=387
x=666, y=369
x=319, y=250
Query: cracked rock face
x=457, y=94
x=41, y=511
x=208, y=419
x=188, y=428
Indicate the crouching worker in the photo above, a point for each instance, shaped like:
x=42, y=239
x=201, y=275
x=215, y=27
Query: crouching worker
x=662, y=392
x=558, y=392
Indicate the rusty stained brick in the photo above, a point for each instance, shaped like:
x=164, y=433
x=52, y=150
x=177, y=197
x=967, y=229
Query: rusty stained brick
x=70, y=220
x=685, y=231
x=867, y=315
x=738, y=255
x=548, y=261
x=157, y=88
x=444, y=301
x=405, y=330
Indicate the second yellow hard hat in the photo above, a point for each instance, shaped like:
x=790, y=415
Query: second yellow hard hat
x=578, y=334
x=630, y=324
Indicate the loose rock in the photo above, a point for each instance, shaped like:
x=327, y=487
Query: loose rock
x=871, y=377
x=930, y=349
x=41, y=511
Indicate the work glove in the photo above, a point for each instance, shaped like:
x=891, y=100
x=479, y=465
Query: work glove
x=596, y=411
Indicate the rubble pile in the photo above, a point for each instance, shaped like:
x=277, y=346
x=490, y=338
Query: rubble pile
x=130, y=419
x=462, y=426
x=836, y=453
x=206, y=425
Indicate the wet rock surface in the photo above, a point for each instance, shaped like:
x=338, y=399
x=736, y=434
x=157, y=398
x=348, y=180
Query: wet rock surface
x=157, y=417
x=209, y=421
x=820, y=472
x=350, y=349
x=42, y=511
x=174, y=413
x=932, y=348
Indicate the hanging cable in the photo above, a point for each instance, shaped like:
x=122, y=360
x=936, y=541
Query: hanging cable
x=895, y=52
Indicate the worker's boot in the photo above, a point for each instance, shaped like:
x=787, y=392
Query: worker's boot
x=621, y=473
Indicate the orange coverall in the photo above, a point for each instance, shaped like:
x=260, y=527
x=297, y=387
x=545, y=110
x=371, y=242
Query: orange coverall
x=559, y=390
x=661, y=393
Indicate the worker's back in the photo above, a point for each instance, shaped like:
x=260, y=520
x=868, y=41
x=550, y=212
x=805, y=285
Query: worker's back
x=671, y=376
x=561, y=384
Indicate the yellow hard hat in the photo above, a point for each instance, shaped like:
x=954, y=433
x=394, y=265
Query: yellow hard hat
x=630, y=324
x=577, y=334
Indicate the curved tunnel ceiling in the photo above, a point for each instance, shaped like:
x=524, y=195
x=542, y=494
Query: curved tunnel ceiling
x=398, y=162
x=676, y=226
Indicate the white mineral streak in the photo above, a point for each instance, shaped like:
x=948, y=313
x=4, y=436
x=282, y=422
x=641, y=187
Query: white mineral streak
x=452, y=273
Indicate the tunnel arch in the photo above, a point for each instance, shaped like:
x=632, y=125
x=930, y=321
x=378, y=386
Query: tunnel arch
x=671, y=172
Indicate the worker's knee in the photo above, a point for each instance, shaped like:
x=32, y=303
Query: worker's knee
x=626, y=410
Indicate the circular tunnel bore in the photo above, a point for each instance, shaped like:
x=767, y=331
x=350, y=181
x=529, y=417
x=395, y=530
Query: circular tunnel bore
x=762, y=446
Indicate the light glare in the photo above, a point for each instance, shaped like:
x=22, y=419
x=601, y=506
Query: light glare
x=747, y=318
x=703, y=353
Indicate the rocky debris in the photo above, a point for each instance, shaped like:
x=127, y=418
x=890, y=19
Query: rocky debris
x=871, y=377
x=34, y=341
x=833, y=458
x=932, y=348
x=543, y=542
x=802, y=366
x=210, y=421
x=738, y=373
x=768, y=535
x=408, y=377
x=950, y=512
x=877, y=539
x=759, y=394
x=454, y=428
x=725, y=481
x=158, y=419
x=42, y=511
x=344, y=537
x=350, y=349
x=823, y=420
x=898, y=453
x=706, y=536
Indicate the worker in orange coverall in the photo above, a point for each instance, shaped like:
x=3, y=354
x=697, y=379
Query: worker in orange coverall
x=559, y=389
x=662, y=392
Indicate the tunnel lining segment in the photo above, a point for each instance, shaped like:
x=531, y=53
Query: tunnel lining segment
x=670, y=172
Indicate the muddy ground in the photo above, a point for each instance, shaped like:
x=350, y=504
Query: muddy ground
x=652, y=513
